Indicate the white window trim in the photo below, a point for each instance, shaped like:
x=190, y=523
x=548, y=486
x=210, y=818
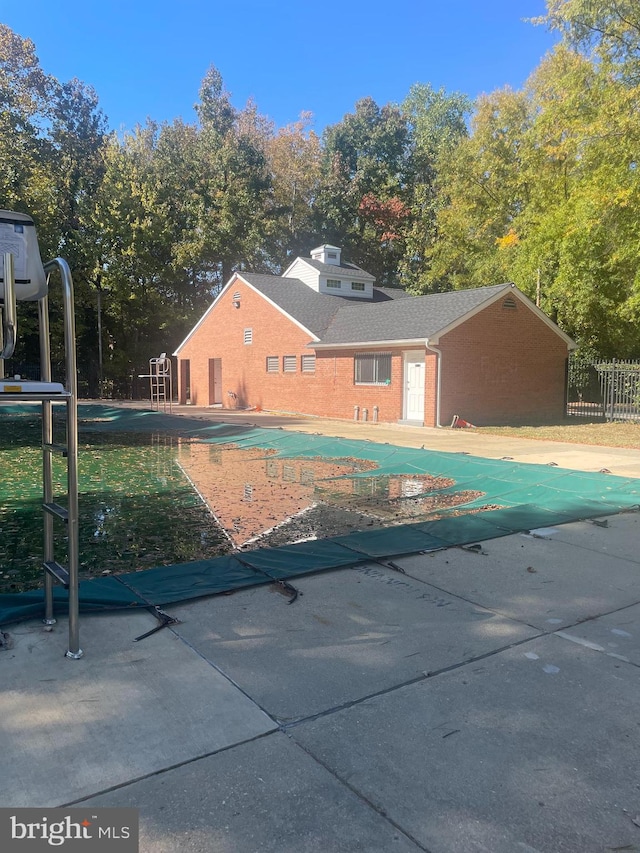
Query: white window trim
x=248, y=336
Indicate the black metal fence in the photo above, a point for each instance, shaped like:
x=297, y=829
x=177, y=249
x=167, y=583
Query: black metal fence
x=25, y=370
x=604, y=390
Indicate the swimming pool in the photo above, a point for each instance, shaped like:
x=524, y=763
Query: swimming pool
x=149, y=498
x=217, y=499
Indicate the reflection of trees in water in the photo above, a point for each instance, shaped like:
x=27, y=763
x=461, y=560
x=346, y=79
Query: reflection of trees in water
x=262, y=499
x=136, y=508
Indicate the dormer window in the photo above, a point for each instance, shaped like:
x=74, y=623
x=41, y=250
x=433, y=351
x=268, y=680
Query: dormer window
x=334, y=284
x=332, y=255
x=357, y=285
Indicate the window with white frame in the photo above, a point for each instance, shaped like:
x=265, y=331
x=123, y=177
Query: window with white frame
x=334, y=283
x=289, y=363
x=372, y=368
x=308, y=363
x=248, y=336
x=273, y=364
x=357, y=285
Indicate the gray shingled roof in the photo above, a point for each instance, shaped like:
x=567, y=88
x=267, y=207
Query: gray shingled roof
x=418, y=317
x=347, y=270
x=314, y=310
x=383, y=294
x=392, y=315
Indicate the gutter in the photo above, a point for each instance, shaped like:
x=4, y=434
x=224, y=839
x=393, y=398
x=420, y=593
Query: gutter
x=438, y=352
x=368, y=344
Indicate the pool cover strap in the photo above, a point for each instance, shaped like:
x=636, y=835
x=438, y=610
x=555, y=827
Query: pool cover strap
x=186, y=581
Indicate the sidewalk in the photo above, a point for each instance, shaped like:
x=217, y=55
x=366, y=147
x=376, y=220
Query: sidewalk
x=480, y=702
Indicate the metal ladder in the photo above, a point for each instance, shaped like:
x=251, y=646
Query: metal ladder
x=160, y=382
x=47, y=393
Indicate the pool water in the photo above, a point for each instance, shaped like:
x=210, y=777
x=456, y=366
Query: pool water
x=151, y=499
x=136, y=507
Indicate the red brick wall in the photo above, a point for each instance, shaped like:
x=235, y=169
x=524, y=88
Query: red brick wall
x=503, y=366
x=431, y=389
x=329, y=391
x=337, y=394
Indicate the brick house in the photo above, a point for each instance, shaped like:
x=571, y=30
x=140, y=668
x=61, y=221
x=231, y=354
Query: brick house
x=322, y=339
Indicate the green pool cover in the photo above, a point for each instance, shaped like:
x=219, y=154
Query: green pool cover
x=530, y=497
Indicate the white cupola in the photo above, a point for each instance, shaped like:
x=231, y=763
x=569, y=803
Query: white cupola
x=324, y=272
x=327, y=255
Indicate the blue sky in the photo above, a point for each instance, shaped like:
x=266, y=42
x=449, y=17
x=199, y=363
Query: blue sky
x=147, y=59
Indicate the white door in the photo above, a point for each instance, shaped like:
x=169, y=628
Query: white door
x=414, y=386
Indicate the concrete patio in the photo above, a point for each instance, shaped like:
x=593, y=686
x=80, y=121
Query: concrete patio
x=485, y=700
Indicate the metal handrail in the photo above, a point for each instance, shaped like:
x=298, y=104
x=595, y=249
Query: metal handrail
x=71, y=386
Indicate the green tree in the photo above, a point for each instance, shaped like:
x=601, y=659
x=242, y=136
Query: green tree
x=25, y=110
x=50, y=138
x=579, y=228
x=234, y=182
x=545, y=190
x=603, y=29
x=436, y=123
x=482, y=188
x=215, y=109
x=133, y=251
x=294, y=160
x=364, y=171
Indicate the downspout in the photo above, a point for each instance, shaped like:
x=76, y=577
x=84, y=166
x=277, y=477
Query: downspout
x=438, y=352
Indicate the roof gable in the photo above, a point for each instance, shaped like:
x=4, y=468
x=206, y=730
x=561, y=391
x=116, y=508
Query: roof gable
x=308, y=309
x=419, y=318
x=414, y=319
x=390, y=317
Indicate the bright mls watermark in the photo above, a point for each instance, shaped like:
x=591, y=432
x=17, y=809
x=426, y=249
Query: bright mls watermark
x=79, y=829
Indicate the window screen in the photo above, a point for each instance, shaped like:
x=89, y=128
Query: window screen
x=373, y=368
